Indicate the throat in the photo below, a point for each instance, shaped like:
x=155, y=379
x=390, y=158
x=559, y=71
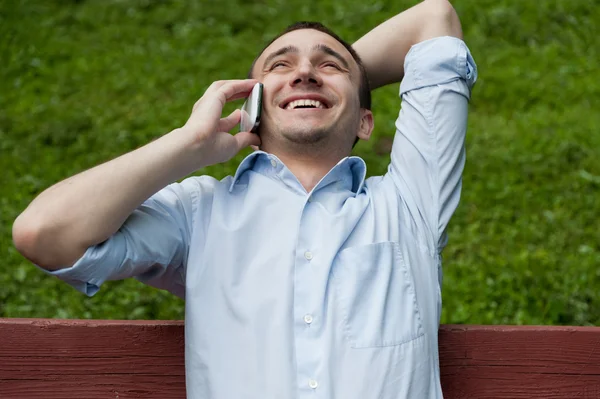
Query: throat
x=307, y=170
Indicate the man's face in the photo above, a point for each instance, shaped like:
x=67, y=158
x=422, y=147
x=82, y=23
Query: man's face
x=310, y=90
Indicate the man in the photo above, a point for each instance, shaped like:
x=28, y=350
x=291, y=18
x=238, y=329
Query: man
x=301, y=278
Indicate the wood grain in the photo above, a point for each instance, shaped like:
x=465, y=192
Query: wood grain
x=520, y=362
x=42, y=358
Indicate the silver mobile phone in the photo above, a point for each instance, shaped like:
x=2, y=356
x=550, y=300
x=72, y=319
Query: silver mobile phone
x=251, y=110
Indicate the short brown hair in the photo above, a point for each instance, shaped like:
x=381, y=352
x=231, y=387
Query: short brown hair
x=364, y=89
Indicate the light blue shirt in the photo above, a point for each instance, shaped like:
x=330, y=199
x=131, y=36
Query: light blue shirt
x=329, y=294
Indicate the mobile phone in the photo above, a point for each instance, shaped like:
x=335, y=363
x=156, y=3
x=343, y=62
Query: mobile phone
x=251, y=110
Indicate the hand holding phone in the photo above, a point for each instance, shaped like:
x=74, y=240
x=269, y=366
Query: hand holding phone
x=251, y=110
x=208, y=130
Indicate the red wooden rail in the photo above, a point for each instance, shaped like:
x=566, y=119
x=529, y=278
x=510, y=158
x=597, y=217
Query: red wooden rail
x=43, y=358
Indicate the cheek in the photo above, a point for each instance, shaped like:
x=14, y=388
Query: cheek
x=344, y=88
x=272, y=91
x=353, y=96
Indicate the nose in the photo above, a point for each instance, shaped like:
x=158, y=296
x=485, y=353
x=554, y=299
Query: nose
x=305, y=73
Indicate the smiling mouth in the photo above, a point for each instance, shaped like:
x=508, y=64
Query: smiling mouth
x=304, y=104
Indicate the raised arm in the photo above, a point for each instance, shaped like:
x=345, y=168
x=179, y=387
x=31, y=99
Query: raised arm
x=384, y=48
x=65, y=220
x=428, y=154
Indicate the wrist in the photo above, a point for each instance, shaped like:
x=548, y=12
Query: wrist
x=180, y=152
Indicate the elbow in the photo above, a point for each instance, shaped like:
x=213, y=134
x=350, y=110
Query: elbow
x=38, y=246
x=441, y=20
x=25, y=238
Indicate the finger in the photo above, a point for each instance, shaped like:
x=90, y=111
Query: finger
x=197, y=104
x=235, y=89
x=219, y=84
x=255, y=147
x=237, y=96
x=214, y=86
x=229, y=122
x=245, y=139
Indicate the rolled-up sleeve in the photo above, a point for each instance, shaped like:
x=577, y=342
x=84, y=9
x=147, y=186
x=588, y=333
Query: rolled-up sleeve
x=152, y=246
x=428, y=153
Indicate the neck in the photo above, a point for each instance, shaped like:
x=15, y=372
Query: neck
x=309, y=162
x=309, y=166
x=308, y=171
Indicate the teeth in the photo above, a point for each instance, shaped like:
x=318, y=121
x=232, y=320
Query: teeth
x=304, y=103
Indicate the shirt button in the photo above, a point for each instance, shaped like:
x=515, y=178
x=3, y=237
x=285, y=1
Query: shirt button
x=308, y=255
x=308, y=319
x=313, y=384
x=273, y=163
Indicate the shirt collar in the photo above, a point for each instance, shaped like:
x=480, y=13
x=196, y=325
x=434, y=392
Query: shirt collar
x=351, y=171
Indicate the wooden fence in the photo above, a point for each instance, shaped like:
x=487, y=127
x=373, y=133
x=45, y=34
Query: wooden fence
x=46, y=358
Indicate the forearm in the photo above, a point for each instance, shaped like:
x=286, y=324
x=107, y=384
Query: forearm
x=86, y=209
x=384, y=48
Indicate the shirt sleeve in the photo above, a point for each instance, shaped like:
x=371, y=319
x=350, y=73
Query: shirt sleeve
x=152, y=246
x=428, y=154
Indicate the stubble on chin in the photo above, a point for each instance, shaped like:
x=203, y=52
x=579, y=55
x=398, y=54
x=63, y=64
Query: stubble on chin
x=306, y=136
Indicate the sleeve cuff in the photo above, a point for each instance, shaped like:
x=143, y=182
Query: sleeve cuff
x=438, y=61
x=90, y=271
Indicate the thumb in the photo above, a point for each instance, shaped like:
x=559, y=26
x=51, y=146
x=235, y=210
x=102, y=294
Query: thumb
x=245, y=139
x=229, y=122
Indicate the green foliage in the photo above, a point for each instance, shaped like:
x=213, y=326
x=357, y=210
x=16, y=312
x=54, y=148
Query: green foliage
x=84, y=81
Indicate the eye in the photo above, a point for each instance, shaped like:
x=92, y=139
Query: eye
x=332, y=65
x=277, y=65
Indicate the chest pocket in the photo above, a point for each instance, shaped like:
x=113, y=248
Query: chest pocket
x=374, y=290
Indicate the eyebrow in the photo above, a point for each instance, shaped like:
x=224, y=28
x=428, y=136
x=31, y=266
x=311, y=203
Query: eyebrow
x=319, y=47
x=281, y=51
x=328, y=50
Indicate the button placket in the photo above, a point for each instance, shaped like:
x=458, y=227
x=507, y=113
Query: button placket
x=309, y=357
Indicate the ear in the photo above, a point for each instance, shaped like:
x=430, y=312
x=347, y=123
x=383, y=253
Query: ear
x=366, y=124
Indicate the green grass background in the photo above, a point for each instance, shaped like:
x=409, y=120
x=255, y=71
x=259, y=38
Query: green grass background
x=84, y=81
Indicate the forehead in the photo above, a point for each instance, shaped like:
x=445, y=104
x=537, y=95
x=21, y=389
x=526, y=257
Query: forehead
x=306, y=40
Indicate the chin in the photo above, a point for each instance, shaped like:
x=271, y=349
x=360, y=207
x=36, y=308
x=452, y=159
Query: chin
x=305, y=133
x=306, y=137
